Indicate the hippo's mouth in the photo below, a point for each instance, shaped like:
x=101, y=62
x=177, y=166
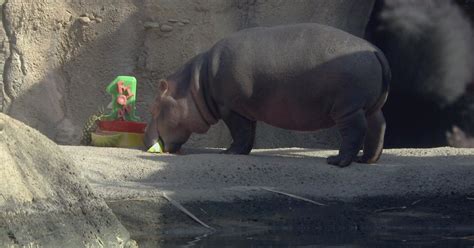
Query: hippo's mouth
x=173, y=148
x=170, y=147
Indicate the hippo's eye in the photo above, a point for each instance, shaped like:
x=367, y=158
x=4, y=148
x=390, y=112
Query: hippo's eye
x=155, y=111
x=169, y=113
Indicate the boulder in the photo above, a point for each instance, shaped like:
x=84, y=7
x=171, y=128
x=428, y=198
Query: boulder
x=44, y=200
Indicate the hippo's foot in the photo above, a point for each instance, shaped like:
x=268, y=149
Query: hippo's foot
x=352, y=129
x=236, y=151
x=340, y=161
x=365, y=160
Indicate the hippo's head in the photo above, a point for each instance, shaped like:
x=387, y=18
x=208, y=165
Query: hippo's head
x=168, y=122
x=179, y=108
x=175, y=115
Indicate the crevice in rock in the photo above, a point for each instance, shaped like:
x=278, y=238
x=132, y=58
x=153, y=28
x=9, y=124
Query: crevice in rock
x=4, y=98
x=7, y=90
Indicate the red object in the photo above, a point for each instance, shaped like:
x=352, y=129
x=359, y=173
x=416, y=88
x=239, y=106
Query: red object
x=122, y=126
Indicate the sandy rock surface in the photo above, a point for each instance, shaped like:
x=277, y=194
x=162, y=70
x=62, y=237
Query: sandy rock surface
x=204, y=175
x=44, y=201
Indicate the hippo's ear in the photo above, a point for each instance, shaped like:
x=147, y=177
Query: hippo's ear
x=163, y=87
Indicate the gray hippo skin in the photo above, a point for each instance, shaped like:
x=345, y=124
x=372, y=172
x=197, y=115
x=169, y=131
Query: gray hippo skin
x=301, y=77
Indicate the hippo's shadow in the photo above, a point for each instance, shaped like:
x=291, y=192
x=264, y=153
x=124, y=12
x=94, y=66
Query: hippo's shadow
x=293, y=152
x=318, y=156
x=265, y=155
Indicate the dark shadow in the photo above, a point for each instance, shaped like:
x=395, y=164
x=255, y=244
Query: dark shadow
x=287, y=152
x=417, y=112
x=260, y=153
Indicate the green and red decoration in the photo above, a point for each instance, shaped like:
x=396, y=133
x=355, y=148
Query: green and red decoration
x=121, y=127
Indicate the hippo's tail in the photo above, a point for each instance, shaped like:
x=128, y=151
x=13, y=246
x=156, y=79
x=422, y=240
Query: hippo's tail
x=386, y=78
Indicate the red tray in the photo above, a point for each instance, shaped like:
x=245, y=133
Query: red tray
x=122, y=126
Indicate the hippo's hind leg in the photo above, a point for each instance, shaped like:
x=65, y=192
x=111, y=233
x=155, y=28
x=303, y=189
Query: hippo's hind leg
x=373, y=143
x=352, y=128
x=242, y=131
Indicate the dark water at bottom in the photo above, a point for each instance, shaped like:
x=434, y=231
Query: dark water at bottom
x=281, y=222
x=298, y=239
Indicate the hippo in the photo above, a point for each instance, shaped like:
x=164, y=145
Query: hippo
x=302, y=77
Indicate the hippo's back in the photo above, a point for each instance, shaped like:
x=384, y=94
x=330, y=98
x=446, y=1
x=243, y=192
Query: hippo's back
x=309, y=43
x=280, y=74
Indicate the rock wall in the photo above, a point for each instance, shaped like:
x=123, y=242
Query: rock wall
x=62, y=54
x=44, y=200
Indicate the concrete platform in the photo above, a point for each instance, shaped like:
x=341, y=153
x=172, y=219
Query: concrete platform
x=205, y=175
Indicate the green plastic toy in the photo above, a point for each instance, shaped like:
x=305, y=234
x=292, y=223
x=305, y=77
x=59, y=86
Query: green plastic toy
x=123, y=91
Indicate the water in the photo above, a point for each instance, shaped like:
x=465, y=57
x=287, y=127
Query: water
x=298, y=239
x=282, y=222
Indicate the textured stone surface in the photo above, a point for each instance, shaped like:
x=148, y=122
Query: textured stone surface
x=44, y=200
x=64, y=53
x=203, y=174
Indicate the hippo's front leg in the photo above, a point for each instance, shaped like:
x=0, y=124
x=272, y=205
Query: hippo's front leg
x=242, y=131
x=352, y=129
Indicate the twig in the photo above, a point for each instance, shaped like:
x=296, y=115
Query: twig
x=471, y=238
x=193, y=242
x=293, y=196
x=388, y=209
x=397, y=208
x=470, y=198
x=184, y=210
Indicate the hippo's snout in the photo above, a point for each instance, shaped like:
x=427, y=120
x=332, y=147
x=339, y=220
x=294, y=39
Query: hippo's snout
x=172, y=148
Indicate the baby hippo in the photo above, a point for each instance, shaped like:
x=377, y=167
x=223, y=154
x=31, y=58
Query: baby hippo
x=301, y=77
